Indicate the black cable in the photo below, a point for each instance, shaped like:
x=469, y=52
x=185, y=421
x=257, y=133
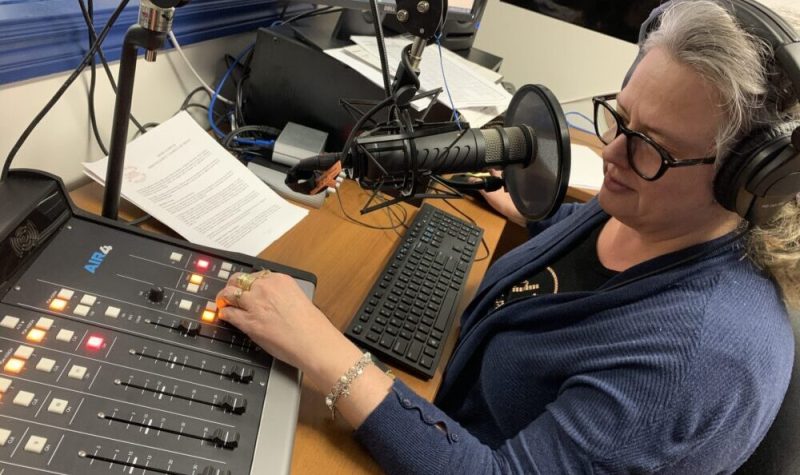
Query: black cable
x=376, y=22
x=90, y=26
x=367, y=225
x=38, y=118
x=319, y=11
x=140, y=220
x=89, y=17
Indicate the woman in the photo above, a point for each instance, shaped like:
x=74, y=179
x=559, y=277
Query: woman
x=642, y=339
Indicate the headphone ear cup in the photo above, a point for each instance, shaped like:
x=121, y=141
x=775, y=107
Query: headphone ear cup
x=747, y=157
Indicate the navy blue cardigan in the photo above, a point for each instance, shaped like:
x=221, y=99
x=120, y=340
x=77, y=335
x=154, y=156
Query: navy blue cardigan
x=676, y=365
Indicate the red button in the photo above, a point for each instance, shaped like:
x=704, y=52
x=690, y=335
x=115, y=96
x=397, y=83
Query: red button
x=202, y=264
x=94, y=342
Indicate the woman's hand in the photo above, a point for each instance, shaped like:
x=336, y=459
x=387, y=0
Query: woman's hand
x=501, y=201
x=276, y=314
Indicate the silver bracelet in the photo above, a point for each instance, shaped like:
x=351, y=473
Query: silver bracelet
x=342, y=386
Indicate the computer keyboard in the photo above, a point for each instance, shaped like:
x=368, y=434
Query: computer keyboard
x=407, y=315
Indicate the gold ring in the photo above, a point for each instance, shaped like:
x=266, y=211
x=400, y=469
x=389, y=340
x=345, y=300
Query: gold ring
x=245, y=281
x=236, y=295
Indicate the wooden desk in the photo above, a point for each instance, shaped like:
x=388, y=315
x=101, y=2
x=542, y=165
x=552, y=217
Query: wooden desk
x=346, y=258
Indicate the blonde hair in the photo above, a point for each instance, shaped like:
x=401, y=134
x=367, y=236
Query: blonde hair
x=754, y=93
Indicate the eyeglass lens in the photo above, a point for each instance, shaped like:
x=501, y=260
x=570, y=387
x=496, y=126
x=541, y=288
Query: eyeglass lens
x=642, y=156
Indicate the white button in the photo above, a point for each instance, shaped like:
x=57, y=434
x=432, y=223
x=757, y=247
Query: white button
x=23, y=352
x=176, y=256
x=226, y=266
x=223, y=274
x=9, y=322
x=23, y=398
x=193, y=288
x=45, y=364
x=5, y=383
x=4, y=435
x=57, y=406
x=185, y=304
x=44, y=323
x=36, y=444
x=65, y=294
x=81, y=310
x=88, y=300
x=211, y=306
x=64, y=335
x=76, y=372
x=112, y=312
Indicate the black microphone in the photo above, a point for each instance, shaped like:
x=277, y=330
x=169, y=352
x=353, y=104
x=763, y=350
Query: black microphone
x=377, y=157
x=387, y=157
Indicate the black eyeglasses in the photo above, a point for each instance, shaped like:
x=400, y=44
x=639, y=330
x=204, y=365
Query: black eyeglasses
x=647, y=158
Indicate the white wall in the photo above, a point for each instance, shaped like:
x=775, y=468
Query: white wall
x=573, y=62
x=64, y=139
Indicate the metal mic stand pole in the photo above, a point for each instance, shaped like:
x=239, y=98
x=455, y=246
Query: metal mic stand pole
x=155, y=21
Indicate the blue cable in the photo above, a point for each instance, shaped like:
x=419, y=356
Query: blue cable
x=214, y=127
x=456, y=117
x=582, y=116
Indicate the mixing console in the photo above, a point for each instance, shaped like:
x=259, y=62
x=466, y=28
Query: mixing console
x=113, y=359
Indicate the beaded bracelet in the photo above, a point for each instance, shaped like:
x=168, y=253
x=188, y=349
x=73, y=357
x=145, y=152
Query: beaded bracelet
x=342, y=386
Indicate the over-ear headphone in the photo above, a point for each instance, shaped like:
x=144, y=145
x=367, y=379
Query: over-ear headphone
x=762, y=172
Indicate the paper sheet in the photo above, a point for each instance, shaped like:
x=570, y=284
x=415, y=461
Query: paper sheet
x=181, y=176
x=586, y=168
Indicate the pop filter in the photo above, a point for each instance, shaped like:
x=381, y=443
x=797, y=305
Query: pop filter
x=538, y=189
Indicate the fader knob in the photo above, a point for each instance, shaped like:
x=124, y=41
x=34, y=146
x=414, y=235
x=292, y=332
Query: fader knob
x=209, y=470
x=225, y=439
x=236, y=405
x=241, y=375
x=189, y=328
x=155, y=295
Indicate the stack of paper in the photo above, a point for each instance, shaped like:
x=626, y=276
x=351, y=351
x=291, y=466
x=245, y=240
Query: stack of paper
x=474, y=89
x=586, y=168
x=181, y=176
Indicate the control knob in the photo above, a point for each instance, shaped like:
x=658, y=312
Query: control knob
x=155, y=294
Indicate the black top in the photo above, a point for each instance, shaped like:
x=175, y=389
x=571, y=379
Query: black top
x=578, y=270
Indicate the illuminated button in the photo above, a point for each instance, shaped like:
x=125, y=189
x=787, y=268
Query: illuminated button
x=58, y=305
x=185, y=304
x=196, y=279
x=203, y=264
x=176, y=257
x=211, y=306
x=223, y=274
x=208, y=316
x=5, y=383
x=9, y=322
x=46, y=365
x=226, y=266
x=4, y=435
x=23, y=398
x=81, y=310
x=112, y=312
x=88, y=300
x=57, y=406
x=76, y=372
x=64, y=335
x=44, y=323
x=94, y=342
x=14, y=365
x=193, y=288
x=35, y=335
x=23, y=352
x=35, y=444
x=65, y=294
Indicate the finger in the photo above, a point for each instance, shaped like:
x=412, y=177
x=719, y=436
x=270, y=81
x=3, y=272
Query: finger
x=233, y=296
x=234, y=316
x=233, y=280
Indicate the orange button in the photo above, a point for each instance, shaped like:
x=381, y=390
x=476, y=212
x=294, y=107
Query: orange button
x=36, y=335
x=14, y=365
x=58, y=305
x=208, y=316
x=196, y=279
